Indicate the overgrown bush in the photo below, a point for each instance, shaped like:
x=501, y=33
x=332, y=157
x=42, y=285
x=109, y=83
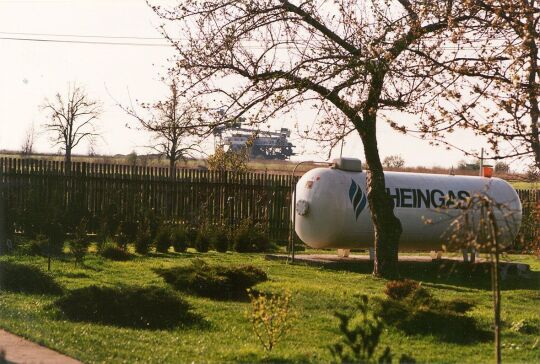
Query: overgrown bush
x=213, y=281
x=163, y=239
x=250, y=237
x=138, y=307
x=22, y=278
x=114, y=252
x=179, y=239
x=271, y=317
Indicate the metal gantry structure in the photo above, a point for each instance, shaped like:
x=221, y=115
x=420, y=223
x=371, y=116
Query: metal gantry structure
x=261, y=144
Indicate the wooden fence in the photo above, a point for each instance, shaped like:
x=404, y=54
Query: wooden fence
x=191, y=196
x=530, y=222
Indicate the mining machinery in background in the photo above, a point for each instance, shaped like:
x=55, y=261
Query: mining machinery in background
x=260, y=144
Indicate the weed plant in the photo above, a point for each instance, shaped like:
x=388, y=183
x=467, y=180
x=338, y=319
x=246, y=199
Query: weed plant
x=271, y=316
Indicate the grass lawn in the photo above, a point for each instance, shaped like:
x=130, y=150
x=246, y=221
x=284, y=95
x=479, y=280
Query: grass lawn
x=225, y=334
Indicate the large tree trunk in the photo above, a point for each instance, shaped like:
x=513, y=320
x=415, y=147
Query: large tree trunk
x=532, y=92
x=387, y=226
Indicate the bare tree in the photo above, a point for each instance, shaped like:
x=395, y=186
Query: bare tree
x=72, y=119
x=27, y=146
x=497, y=94
x=349, y=60
x=173, y=122
x=394, y=161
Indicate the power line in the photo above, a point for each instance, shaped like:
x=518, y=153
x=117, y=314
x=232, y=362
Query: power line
x=42, y=40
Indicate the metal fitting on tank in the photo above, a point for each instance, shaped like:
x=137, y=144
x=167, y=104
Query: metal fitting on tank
x=302, y=207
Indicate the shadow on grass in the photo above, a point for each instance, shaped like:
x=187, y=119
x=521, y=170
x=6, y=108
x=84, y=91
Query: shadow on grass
x=127, y=306
x=27, y=279
x=446, y=271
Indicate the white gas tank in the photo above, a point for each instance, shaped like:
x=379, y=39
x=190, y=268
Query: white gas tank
x=332, y=210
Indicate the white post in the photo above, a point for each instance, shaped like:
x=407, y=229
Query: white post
x=481, y=172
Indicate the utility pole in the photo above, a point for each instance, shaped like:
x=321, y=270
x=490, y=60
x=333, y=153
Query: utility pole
x=480, y=172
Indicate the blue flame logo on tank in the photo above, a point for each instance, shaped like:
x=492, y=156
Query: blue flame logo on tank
x=411, y=198
x=358, y=198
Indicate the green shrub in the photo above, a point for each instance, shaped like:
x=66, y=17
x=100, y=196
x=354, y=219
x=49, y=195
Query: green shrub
x=37, y=246
x=138, y=307
x=109, y=222
x=22, y=278
x=250, y=237
x=163, y=239
x=202, y=242
x=127, y=233
x=401, y=289
x=191, y=235
x=219, y=238
x=179, y=239
x=114, y=252
x=360, y=330
x=79, y=244
x=143, y=242
x=213, y=281
x=55, y=234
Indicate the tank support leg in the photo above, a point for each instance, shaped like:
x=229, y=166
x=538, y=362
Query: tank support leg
x=371, y=254
x=473, y=254
x=465, y=255
x=469, y=255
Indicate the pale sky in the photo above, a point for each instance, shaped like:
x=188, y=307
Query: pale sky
x=31, y=71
